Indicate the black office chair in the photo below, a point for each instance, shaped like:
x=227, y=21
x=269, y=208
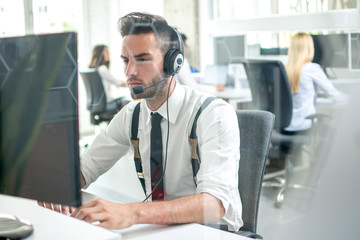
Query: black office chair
x=255, y=134
x=100, y=109
x=270, y=91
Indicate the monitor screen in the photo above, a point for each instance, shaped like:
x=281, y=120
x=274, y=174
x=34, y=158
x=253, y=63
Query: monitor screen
x=39, y=156
x=331, y=50
x=215, y=74
x=229, y=49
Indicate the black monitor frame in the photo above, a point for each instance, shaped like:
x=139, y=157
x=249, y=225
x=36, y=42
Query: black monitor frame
x=331, y=50
x=39, y=156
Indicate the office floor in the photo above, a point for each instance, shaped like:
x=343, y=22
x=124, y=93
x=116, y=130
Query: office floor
x=280, y=223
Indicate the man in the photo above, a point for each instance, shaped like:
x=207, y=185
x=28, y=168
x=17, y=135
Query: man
x=215, y=197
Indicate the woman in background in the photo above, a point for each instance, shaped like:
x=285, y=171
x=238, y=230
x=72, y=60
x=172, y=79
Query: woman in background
x=100, y=60
x=306, y=79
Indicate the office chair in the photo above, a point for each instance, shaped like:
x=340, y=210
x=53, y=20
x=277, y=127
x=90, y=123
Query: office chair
x=271, y=92
x=255, y=134
x=100, y=109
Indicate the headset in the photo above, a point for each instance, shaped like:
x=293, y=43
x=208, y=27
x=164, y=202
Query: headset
x=173, y=61
x=174, y=58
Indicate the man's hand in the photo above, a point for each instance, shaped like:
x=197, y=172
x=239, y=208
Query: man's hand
x=109, y=215
x=57, y=207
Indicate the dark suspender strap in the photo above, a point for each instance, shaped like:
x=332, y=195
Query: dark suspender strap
x=135, y=122
x=195, y=158
x=135, y=143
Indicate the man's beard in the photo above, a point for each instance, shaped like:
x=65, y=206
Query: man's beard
x=154, y=90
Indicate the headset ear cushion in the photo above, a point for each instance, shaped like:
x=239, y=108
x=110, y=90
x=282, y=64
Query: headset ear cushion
x=172, y=62
x=169, y=62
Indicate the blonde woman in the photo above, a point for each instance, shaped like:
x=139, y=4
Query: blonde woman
x=306, y=79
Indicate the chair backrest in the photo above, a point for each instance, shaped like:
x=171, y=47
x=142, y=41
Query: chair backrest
x=255, y=134
x=95, y=92
x=270, y=89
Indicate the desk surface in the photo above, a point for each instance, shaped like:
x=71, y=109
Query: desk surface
x=52, y=225
x=234, y=93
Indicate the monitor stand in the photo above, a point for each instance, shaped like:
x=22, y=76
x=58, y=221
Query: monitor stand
x=13, y=227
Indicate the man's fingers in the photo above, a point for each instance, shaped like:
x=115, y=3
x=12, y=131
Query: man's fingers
x=48, y=205
x=75, y=211
x=57, y=207
x=72, y=209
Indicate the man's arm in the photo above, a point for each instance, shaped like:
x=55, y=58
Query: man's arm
x=199, y=208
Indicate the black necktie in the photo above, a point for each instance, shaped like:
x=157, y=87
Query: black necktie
x=156, y=157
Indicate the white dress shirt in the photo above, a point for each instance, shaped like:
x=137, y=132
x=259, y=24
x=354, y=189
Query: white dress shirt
x=218, y=139
x=312, y=79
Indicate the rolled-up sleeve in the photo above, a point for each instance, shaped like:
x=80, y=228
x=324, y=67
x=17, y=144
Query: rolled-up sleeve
x=108, y=147
x=219, y=142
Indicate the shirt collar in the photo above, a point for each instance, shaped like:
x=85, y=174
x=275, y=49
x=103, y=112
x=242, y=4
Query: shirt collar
x=175, y=101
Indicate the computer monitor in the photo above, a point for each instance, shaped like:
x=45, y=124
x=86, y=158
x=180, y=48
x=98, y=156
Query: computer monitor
x=39, y=156
x=215, y=74
x=331, y=50
x=229, y=49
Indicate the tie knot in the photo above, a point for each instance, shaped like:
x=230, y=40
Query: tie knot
x=155, y=118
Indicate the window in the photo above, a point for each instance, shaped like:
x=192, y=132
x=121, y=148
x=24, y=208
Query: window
x=11, y=18
x=243, y=9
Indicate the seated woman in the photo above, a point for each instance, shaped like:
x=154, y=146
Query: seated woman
x=100, y=60
x=306, y=79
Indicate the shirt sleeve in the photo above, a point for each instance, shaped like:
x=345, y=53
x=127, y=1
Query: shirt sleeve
x=108, y=77
x=108, y=147
x=219, y=144
x=325, y=85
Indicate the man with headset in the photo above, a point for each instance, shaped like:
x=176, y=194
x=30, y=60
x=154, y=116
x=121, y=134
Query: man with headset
x=152, y=54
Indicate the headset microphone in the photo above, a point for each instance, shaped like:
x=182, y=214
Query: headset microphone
x=140, y=89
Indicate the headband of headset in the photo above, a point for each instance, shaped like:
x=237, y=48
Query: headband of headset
x=174, y=58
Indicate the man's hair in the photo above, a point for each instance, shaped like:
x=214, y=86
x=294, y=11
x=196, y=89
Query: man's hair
x=139, y=23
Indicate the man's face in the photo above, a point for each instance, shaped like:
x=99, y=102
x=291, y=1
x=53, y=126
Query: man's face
x=143, y=64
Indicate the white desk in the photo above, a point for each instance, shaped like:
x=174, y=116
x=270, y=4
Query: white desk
x=234, y=95
x=52, y=225
x=177, y=232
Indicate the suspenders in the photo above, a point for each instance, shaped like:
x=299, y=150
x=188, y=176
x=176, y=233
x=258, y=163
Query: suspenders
x=135, y=143
x=195, y=158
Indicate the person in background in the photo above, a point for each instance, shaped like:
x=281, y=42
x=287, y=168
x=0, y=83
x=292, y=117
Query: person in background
x=184, y=77
x=100, y=60
x=306, y=79
x=184, y=38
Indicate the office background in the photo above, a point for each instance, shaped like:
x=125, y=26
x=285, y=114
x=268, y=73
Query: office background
x=261, y=24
